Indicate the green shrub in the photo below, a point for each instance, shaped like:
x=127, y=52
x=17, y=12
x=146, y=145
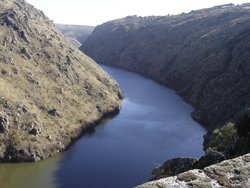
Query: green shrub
x=224, y=140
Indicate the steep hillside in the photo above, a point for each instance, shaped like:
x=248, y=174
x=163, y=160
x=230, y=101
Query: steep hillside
x=203, y=55
x=50, y=93
x=77, y=34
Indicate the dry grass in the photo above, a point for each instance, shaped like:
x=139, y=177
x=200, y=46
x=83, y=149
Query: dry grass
x=43, y=73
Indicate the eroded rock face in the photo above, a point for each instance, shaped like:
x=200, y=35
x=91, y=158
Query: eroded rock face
x=178, y=165
x=209, y=159
x=4, y=123
x=172, y=167
x=50, y=92
x=229, y=173
x=203, y=55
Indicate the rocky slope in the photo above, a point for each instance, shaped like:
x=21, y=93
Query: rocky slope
x=203, y=55
x=50, y=92
x=231, y=173
x=77, y=34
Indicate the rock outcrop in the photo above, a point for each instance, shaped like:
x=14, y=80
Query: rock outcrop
x=173, y=167
x=203, y=55
x=230, y=173
x=77, y=34
x=50, y=92
x=178, y=165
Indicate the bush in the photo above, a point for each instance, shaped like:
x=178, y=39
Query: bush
x=224, y=140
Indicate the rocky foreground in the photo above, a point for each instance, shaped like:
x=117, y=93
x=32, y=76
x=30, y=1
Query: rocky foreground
x=230, y=173
x=50, y=93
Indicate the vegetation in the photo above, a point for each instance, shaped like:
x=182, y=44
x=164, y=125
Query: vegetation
x=232, y=139
x=223, y=140
x=49, y=91
x=202, y=54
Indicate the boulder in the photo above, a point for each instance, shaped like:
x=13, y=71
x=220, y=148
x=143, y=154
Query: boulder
x=53, y=112
x=230, y=173
x=173, y=167
x=4, y=123
x=209, y=159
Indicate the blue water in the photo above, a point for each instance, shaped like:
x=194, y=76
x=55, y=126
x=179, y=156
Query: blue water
x=153, y=126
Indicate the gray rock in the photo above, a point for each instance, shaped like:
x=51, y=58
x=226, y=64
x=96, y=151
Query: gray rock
x=26, y=53
x=230, y=173
x=49, y=137
x=4, y=72
x=53, y=112
x=22, y=108
x=173, y=167
x=34, y=131
x=209, y=159
x=4, y=123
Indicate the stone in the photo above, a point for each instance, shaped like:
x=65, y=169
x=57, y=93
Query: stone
x=209, y=159
x=49, y=137
x=53, y=112
x=4, y=123
x=230, y=173
x=4, y=72
x=173, y=167
x=26, y=53
x=68, y=59
x=23, y=36
x=34, y=131
x=22, y=108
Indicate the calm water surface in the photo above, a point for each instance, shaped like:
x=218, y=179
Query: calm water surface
x=153, y=125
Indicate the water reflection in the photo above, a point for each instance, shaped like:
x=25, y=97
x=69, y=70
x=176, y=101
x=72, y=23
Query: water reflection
x=154, y=125
x=30, y=175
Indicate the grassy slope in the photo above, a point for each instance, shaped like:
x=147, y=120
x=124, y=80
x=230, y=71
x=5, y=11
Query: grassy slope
x=41, y=71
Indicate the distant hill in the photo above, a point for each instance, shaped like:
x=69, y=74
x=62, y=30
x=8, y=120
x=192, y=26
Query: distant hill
x=77, y=34
x=50, y=92
x=204, y=55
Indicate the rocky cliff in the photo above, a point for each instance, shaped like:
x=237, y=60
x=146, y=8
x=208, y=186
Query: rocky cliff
x=202, y=54
x=50, y=93
x=231, y=173
x=77, y=34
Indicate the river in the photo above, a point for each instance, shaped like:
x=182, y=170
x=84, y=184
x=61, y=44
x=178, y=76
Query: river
x=153, y=125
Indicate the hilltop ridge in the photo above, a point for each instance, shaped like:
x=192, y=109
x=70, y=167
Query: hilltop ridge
x=202, y=54
x=77, y=34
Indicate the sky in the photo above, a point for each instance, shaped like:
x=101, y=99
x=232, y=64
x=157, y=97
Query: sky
x=95, y=12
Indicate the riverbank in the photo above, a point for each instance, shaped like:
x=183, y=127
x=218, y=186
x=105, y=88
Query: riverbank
x=154, y=124
x=201, y=55
x=123, y=151
x=50, y=92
